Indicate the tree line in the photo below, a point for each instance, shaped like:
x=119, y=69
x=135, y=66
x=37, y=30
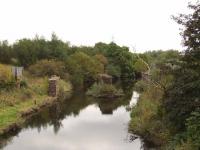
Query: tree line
x=79, y=63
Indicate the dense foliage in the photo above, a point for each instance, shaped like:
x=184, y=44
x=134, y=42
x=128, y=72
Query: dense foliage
x=103, y=90
x=48, y=68
x=121, y=61
x=168, y=111
x=182, y=100
x=82, y=64
x=83, y=68
x=178, y=77
x=148, y=116
x=28, y=52
x=6, y=77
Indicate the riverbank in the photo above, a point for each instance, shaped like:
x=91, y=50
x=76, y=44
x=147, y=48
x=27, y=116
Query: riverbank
x=17, y=105
x=147, y=116
x=81, y=115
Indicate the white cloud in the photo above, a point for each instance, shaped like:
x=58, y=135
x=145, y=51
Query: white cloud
x=144, y=24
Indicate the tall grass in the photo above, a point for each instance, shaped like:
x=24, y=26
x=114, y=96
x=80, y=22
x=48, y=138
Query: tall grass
x=146, y=117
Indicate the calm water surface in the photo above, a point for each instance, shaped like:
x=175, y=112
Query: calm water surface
x=79, y=123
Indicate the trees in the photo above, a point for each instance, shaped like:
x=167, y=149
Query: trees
x=25, y=52
x=102, y=59
x=28, y=51
x=140, y=66
x=6, y=77
x=5, y=52
x=48, y=68
x=82, y=61
x=119, y=57
x=183, y=97
x=191, y=33
x=57, y=48
x=83, y=68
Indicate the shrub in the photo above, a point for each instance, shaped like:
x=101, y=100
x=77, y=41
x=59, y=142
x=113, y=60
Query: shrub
x=104, y=90
x=113, y=70
x=83, y=68
x=188, y=145
x=48, y=68
x=146, y=117
x=140, y=66
x=94, y=89
x=64, y=86
x=64, y=89
x=23, y=83
x=39, y=85
x=141, y=85
x=6, y=78
x=191, y=137
x=5, y=73
x=26, y=94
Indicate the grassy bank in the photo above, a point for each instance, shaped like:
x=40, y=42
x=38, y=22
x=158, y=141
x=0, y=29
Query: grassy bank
x=146, y=116
x=17, y=104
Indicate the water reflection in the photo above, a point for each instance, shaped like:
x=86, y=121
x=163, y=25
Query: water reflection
x=80, y=123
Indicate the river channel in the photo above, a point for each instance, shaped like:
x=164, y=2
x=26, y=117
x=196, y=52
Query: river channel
x=78, y=123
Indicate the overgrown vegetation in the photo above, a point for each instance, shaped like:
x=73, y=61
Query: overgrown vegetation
x=168, y=110
x=176, y=112
x=13, y=103
x=43, y=58
x=104, y=90
x=48, y=68
x=6, y=77
x=83, y=68
x=147, y=116
x=183, y=95
x=33, y=93
x=80, y=64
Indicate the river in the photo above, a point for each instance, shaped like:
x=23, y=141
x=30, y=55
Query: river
x=78, y=123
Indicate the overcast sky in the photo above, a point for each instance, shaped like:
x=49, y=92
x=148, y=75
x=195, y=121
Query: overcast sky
x=143, y=24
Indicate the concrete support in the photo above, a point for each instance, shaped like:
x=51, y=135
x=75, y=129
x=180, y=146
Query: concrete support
x=53, y=87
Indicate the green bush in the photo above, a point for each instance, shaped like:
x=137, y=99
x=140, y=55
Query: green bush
x=104, y=90
x=64, y=86
x=146, y=117
x=64, y=89
x=188, y=145
x=191, y=137
x=113, y=70
x=140, y=86
x=5, y=73
x=26, y=94
x=39, y=85
x=23, y=83
x=140, y=66
x=83, y=68
x=48, y=68
x=6, y=77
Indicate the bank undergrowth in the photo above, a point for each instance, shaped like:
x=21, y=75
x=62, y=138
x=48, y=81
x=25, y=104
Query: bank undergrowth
x=103, y=90
x=18, y=101
x=146, y=116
